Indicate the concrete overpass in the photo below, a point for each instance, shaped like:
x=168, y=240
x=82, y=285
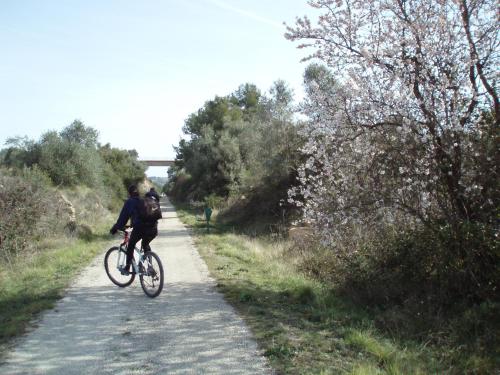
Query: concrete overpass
x=157, y=162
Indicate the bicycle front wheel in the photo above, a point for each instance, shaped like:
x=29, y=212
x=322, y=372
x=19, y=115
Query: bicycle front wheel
x=152, y=275
x=115, y=258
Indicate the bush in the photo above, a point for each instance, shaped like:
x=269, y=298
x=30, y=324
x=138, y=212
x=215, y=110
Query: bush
x=179, y=187
x=421, y=283
x=426, y=264
x=262, y=209
x=33, y=210
x=393, y=267
x=27, y=210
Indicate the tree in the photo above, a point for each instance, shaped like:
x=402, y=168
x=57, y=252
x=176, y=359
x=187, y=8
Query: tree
x=73, y=156
x=247, y=96
x=21, y=152
x=281, y=101
x=405, y=124
x=213, y=114
x=77, y=132
x=69, y=161
x=122, y=168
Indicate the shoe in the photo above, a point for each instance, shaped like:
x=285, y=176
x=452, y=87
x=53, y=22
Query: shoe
x=124, y=271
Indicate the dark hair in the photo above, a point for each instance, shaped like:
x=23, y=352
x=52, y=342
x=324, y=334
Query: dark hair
x=132, y=190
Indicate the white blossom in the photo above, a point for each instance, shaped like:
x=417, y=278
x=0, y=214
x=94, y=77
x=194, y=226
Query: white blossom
x=404, y=106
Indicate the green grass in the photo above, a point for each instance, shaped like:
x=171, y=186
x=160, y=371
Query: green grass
x=32, y=285
x=302, y=325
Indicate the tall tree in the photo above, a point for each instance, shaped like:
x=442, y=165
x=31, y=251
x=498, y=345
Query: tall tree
x=405, y=126
x=77, y=132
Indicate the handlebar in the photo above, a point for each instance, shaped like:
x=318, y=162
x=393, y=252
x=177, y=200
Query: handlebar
x=125, y=233
x=127, y=228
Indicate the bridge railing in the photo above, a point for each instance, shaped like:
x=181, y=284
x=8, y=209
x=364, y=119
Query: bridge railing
x=157, y=163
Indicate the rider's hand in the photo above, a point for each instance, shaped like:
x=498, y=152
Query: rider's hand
x=113, y=230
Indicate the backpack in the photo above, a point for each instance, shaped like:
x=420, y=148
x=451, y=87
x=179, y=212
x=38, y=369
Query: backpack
x=149, y=210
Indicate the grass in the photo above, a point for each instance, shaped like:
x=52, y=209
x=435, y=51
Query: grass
x=33, y=284
x=302, y=325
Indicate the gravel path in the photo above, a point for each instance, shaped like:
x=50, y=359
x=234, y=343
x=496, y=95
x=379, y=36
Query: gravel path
x=99, y=328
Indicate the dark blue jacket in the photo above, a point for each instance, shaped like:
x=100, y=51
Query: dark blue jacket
x=130, y=210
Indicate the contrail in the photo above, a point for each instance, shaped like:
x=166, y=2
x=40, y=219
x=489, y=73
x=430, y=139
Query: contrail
x=246, y=13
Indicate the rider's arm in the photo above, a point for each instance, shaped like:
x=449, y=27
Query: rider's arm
x=125, y=214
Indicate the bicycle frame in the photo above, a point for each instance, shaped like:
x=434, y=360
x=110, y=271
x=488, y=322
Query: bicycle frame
x=122, y=256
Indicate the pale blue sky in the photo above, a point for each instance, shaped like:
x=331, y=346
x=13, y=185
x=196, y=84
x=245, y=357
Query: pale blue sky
x=128, y=68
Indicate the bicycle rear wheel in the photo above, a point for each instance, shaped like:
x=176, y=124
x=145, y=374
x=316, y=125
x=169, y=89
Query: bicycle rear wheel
x=115, y=258
x=152, y=275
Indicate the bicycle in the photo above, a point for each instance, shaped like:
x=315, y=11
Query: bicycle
x=149, y=267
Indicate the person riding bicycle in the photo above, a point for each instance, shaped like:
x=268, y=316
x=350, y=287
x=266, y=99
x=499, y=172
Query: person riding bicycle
x=146, y=231
x=153, y=194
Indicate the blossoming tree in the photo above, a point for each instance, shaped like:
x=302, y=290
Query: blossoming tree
x=409, y=130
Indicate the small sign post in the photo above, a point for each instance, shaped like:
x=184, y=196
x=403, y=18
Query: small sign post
x=208, y=214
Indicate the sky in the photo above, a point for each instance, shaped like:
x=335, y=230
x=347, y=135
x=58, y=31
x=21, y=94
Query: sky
x=135, y=70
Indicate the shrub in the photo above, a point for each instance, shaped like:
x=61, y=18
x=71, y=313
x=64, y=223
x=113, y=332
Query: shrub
x=419, y=282
x=27, y=209
x=179, y=187
x=264, y=208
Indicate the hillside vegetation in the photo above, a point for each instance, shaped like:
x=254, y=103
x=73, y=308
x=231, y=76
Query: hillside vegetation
x=63, y=184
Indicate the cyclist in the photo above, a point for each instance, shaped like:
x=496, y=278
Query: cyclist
x=153, y=194
x=146, y=231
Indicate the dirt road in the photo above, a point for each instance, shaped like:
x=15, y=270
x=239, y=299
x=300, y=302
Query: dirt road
x=99, y=328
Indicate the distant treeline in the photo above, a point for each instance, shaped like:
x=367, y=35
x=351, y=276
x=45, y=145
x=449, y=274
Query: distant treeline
x=74, y=157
